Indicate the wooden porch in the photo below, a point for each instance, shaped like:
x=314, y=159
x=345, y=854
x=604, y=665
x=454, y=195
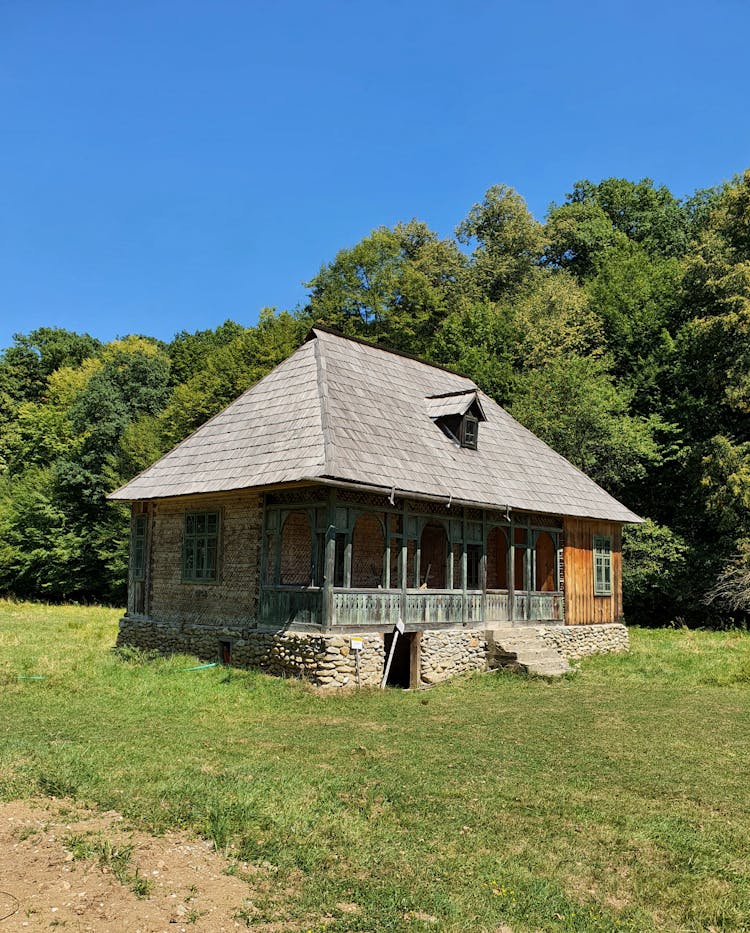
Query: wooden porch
x=342, y=559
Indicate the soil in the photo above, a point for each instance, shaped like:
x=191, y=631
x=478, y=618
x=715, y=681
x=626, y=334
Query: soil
x=43, y=886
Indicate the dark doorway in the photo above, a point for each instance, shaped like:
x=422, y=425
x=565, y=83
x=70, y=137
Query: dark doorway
x=404, y=670
x=434, y=547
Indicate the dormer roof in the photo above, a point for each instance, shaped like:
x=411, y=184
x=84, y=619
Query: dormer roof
x=455, y=403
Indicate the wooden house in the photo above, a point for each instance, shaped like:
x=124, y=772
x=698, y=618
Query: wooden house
x=354, y=487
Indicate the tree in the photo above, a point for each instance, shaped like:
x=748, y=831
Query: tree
x=508, y=242
x=478, y=342
x=188, y=352
x=655, y=566
x=395, y=285
x=732, y=588
x=577, y=234
x=34, y=357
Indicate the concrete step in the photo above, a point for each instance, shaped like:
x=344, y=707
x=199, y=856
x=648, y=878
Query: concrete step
x=523, y=649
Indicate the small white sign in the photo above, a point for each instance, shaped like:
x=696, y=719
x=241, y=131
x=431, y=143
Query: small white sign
x=356, y=644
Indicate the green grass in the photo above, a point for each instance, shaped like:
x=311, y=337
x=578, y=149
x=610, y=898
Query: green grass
x=615, y=799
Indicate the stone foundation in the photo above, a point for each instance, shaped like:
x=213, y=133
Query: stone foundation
x=580, y=641
x=445, y=654
x=327, y=660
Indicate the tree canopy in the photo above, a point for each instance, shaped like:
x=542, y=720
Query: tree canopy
x=618, y=330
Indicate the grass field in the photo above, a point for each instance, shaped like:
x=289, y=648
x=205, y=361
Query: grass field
x=615, y=799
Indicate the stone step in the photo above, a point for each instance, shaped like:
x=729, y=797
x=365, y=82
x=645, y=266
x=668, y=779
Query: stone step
x=523, y=649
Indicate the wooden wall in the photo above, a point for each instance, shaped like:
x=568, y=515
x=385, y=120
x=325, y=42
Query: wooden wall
x=581, y=606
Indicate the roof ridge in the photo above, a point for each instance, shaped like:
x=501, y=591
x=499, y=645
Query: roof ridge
x=322, y=380
x=331, y=331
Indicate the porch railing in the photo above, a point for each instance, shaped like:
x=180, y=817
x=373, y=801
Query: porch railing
x=291, y=606
x=376, y=607
x=304, y=606
x=538, y=607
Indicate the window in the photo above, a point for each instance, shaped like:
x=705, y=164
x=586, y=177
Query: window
x=138, y=546
x=200, y=546
x=602, y=565
x=470, y=432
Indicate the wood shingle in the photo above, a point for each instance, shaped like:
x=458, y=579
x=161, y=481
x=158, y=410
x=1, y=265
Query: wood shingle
x=341, y=410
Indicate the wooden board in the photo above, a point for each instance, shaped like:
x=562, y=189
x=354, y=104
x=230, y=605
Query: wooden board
x=581, y=606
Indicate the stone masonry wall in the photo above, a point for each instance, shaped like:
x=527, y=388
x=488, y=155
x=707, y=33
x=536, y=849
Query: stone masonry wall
x=447, y=653
x=322, y=659
x=579, y=641
x=325, y=660
x=328, y=661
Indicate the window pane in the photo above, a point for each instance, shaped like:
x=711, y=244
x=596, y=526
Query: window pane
x=189, y=559
x=602, y=550
x=201, y=543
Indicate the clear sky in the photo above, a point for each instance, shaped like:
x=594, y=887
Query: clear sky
x=168, y=164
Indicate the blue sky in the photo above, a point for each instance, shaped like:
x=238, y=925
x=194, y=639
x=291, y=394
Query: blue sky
x=169, y=164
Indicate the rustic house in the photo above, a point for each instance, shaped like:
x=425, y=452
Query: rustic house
x=354, y=487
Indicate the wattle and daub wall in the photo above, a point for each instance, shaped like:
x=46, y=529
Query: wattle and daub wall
x=219, y=619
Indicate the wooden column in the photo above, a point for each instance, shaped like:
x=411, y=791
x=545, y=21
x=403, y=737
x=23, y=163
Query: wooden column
x=511, y=558
x=483, y=567
x=465, y=594
x=404, y=559
x=330, y=562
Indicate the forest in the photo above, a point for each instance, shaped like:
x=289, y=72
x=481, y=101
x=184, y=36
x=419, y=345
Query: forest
x=618, y=330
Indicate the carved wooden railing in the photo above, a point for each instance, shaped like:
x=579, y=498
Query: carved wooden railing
x=291, y=606
x=304, y=606
x=538, y=607
x=415, y=607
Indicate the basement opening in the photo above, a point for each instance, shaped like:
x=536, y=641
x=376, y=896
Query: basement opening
x=404, y=670
x=225, y=652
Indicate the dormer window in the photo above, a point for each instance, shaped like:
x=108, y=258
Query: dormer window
x=458, y=414
x=470, y=432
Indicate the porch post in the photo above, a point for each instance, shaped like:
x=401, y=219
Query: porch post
x=528, y=571
x=512, y=569
x=464, y=561
x=404, y=558
x=483, y=567
x=330, y=562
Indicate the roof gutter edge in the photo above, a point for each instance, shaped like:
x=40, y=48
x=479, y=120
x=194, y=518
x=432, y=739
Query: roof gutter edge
x=449, y=500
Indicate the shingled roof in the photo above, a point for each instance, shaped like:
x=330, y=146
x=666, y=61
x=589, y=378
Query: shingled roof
x=342, y=410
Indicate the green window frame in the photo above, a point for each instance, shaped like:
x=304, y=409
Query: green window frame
x=602, y=565
x=470, y=432
x=138, y=548
x=200, y=547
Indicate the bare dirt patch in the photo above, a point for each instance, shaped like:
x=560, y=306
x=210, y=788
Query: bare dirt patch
x=59, y=870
